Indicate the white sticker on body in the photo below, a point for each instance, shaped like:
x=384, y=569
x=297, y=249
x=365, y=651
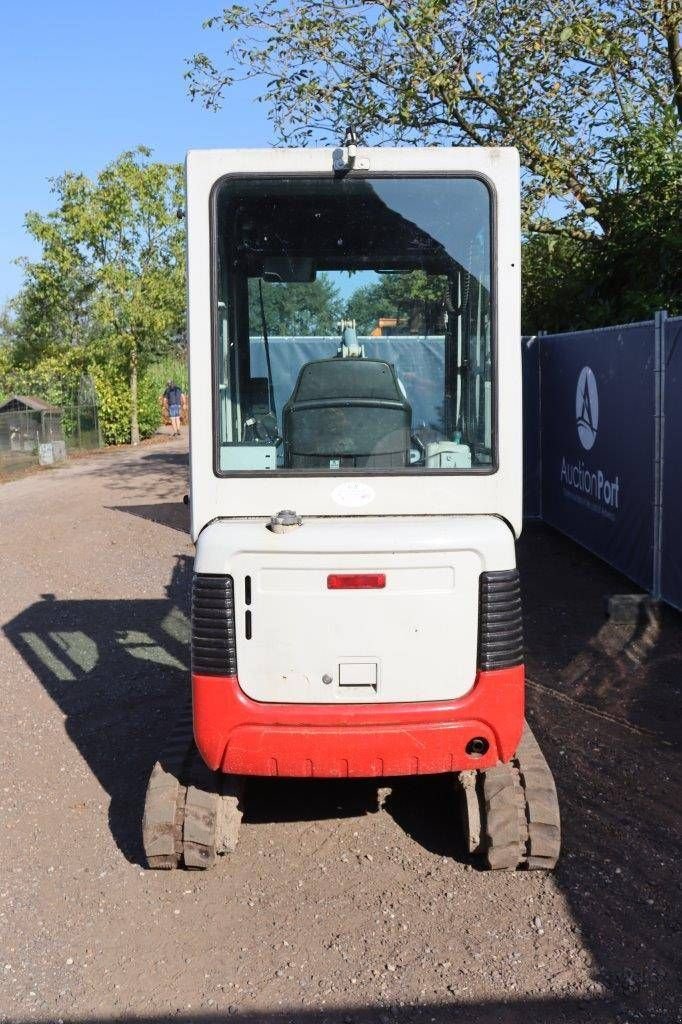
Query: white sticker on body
x=353, y=494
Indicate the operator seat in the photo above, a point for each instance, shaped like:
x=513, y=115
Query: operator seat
x=347, y=413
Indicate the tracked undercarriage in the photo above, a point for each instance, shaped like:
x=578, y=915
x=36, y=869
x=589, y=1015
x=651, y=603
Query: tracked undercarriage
x=511, y=811
x=192, y=814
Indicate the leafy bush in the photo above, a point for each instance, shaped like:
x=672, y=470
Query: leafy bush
x=113, y=392
x=54, y=379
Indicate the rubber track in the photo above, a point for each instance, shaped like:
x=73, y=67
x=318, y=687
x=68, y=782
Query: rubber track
x=504, y=822
x=543, y=845
x=199, y=844
x=191, y=813
x=164, y=801
x=520, y=810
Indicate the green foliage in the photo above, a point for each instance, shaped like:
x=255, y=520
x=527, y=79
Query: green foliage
x=173, y=368
x=415, y=299
x=564, y=83
x=629, y=271
x=54, y=379
x=366, y=305
x=50, y=311
x=639, y=259
x=113, y=393
x=558, y=290
x=295, y=308
x=589, y=93
x=7, y=370
x=111, y=273
x=106, y=297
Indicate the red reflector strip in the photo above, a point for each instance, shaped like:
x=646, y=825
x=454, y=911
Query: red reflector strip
x=356, y=581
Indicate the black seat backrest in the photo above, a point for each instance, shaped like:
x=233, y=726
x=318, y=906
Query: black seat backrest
x=347, y=413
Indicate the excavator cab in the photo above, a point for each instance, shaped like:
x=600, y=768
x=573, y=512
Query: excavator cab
x=355, y=452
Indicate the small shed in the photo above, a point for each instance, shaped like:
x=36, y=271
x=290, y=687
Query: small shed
x=26, y=422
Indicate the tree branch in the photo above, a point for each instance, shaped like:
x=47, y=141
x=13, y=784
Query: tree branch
x=672, y=23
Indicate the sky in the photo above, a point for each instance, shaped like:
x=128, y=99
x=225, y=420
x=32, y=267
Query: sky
x=80, y=82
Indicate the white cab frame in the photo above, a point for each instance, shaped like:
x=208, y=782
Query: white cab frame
x=419, y=493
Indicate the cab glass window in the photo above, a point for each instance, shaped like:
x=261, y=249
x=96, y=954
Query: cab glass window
x=353, y=325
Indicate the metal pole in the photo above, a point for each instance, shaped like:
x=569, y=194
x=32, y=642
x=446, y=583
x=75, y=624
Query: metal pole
x=540, y=335
x=660, y=318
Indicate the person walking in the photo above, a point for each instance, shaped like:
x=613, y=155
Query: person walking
x=173, y=397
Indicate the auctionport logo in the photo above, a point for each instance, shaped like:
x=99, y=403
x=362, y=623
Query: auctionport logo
x=587, y=408
x=592, y=488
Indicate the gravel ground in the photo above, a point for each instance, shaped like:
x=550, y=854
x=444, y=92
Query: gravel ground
x=329, y=911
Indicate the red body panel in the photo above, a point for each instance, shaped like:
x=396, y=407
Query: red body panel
x=244, y=737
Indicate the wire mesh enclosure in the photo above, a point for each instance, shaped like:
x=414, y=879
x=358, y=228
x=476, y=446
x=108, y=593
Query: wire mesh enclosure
x=28, y=423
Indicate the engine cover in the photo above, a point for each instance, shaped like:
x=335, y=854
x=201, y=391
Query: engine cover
x=303, y=638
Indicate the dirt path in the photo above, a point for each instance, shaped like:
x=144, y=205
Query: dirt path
x=327, y=912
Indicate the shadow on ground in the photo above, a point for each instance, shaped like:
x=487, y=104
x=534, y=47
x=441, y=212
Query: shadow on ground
x=526, y=1011
x=174, y=514
x=116, y=669
x=630, y=670
x=422, y=806
x=131, y=474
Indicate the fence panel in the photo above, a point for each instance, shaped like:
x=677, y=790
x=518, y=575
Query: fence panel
x=419, y=363
x=671, y=560
x=532, y=479
x=597, y=442
x=23, y=431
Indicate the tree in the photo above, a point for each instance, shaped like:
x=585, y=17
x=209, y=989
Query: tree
x=575, y=85
x=52, y=309
x=566, y=81
x=294, y=308
x=623, y=274
x=366, y=306
x=111, y=272
x=415, y=300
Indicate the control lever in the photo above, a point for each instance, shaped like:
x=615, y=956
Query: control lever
x=420, y=451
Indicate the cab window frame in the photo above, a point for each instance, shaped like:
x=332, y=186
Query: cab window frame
x=349, y=472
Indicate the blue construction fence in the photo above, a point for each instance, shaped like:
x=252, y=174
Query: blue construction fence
x=603, y=445
x=420, y=367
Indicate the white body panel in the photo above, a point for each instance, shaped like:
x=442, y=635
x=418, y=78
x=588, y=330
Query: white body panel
x=496, y=493
x=414, y=640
